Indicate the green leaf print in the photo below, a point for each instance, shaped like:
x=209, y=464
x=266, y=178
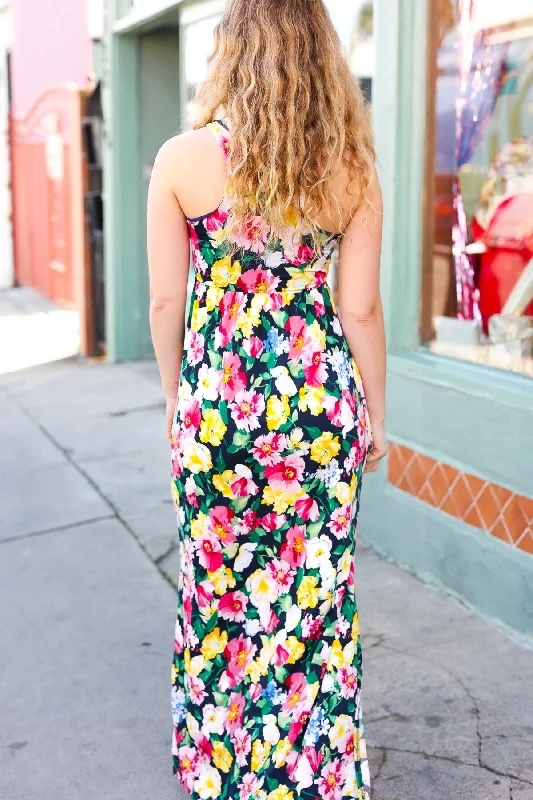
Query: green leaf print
x=280, y=673
x=314, y=529
x=283, y=721
x=215, y=359
x=239, y=504
x=241, y=439
x=223, y=410
x=285, y=602
x=220, y=699
x=231, y=550
x=279, y=317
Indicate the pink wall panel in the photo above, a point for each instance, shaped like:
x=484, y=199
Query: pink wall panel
x=51, y=45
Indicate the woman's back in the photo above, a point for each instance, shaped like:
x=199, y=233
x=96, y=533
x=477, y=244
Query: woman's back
x=270, y=427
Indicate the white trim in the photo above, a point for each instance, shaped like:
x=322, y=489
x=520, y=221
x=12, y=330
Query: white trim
x=145, y=12
x=201, y=10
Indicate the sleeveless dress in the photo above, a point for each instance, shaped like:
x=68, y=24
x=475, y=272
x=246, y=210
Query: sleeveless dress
x=269, y=441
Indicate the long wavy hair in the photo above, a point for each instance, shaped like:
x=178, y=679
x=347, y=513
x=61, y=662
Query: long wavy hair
x=297, y=115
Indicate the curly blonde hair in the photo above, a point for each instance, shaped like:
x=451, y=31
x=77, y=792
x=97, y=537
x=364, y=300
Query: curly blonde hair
x=297, y=115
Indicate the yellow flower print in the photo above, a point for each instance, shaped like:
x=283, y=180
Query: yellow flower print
x=280, y=793
x=260, y=753
x=307, y=593
x=280, y=501
x=296, y=439
x=196, y=665
x=212, y=427
x=278, y=411
x=342, y=493
x=296, y=649
x=175, y=493
x=311, y=399
x=254, y=671
x=344, y=565
x=223, y=272
x=355, y=627
x=222, y=757
x=214, y=643
x=247, y=321
x=174, y=674
x=317, y=334
x=198, y=525
x=353, y=487
x=222, y=580
x=223, y=483
x=287, y=296
x=337, y=733
x=279, y=756
x=208, y=784
x=198, y=317
x=196, y=457
x=325, y=448
x=213, y=297
x=340, y=656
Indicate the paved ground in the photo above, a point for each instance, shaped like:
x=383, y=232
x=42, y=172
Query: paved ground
x=33, y=330
x=86, y=619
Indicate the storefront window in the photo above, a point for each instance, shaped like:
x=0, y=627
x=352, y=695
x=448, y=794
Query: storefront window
x=198, y=24
x=355, y=25
x=477, y=293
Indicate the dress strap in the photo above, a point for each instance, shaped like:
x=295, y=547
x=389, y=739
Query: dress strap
x=221, y=134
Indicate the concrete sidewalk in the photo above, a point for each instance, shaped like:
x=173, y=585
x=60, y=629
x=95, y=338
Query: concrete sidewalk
x=87, y=554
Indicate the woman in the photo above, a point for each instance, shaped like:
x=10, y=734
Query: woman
x=269, y=425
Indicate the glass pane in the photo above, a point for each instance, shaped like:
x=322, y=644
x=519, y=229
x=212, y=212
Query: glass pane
x=354, y=22
x=198, y=40
x=477, y=298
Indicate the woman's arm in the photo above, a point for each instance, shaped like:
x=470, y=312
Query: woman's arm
x=361, y=311
x=168, y=259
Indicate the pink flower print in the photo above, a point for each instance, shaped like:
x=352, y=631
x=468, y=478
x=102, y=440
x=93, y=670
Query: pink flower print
x=293, y=548
x=231, y=306
x=249, y=785
x=251, y=519
x=271, y=623
x=190, y=492
x=253, y=346
x=318, y=300
x=195, y=347
x=339, y=524
x=189, y=764
x=303, y=255
x=246, y=409
x=286, y=474
x=196, y=687
x=178, y=637
x=242, y=744
x=307, y=508
x=252, y=234
x=256, y=690
x=232, y=606
x=362, y=422
x=209, y=551
x=215, y=221
x=232, y=378
x=191, y=417
x=281, y=574
x=204, y=594
x=220, y=522
x=331, y=780
x=297, y=725
x=299, y=340
x=347, y=677
x=267, y=448
x=315, y=369
x=243, y=486
x=355, y=456
x=281, y=655
x=258, y=281
x=272, y=522
x=234, y=712
x=296, y=694
x=274, y=301
x=239, y=652
x=312, y=627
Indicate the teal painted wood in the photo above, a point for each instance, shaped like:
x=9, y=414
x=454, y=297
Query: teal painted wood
x=399, y=122
x=463, y=423
x=125, y=264
x=491, y=577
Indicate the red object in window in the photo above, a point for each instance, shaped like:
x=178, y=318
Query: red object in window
x=509, y=242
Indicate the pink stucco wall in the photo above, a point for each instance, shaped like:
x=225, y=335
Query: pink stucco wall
x=51, y=44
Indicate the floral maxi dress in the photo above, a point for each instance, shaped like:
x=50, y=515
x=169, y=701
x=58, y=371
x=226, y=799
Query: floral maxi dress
x=269, y=441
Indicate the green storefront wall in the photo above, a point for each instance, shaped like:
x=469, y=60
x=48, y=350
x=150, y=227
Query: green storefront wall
x=474, y=418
